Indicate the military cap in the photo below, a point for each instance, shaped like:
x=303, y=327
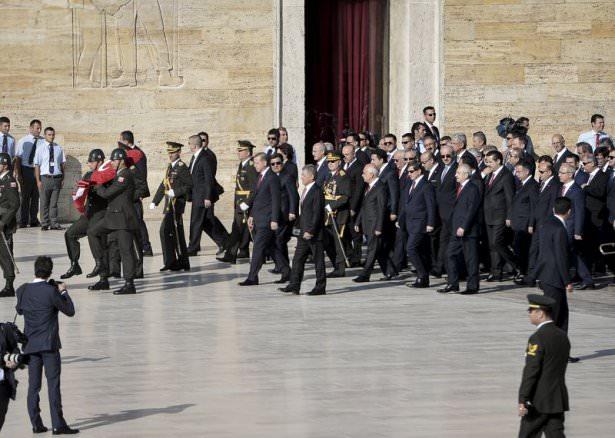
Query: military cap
x=380, y=153
x=5, y=158
x=540, y=301
x=244, y=145
x=173, y=147
x=334, y=156
x=96, y=155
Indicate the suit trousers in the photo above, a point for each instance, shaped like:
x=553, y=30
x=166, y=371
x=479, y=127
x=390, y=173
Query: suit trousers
x=50, y=360
x=463, y=249
x=498, y=249
x=353, y=241
x=29, y=197
x=333, y=248
x=5, y=397
x=417, y=254
x=302, y=252
x=5, y=256
x=142, y=237
x=534, y=424
x=400, y=259
x=125, y=240
x=76, y=231
x=375, y=251
x=434, y=248
x=173, y=240
x=204, y=219
x=445, y=237
x=49, y=194
x=282, y=237
x=521, y=246
x=560, y=310
x=264, y=239
x=533, y=254
x=580, y=260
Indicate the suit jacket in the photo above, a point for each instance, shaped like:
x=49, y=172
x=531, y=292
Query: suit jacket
x=121, y=213
x=374, y=210
x=465, y=211
x=434, y=178
x=560, y=161
x=553, y=254
x=213, y=162
x=389, y=177
x=357, y=185
x=580, y=177
x=291, y=170
x=576, y=221
x=545, y=201
x=203, y=179
x=322, y=173
x=435, y=132
x=465, y=153
x=289, y=197
x=610, y=197
x=544, y=375
x=498, y=198
x=445, y=195
x=264, y=202
x=595, y=200
x=312, y=212
x=523, y=206
x=40, y=303
x=418, y=207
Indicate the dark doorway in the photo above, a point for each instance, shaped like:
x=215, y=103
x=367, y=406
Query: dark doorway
x=345, y=68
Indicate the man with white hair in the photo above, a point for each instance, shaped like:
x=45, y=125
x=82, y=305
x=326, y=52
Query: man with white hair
x=459, y=143
x=320, y=161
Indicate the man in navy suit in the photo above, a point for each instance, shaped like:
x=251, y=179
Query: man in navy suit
x=433, y=171
x=264, y=219
x=418, y=213
x=320, y=161
x=39, y=302
x=464, y=233
x=580, y=177
x=445, y=197
x=522, y=213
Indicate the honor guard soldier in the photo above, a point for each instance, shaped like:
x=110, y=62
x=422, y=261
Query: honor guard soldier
x=9, y=204
x=120, y=219
x=543, y=397
x=95, y=208
x=175, y=189
x=337, y=211
x=245, y=183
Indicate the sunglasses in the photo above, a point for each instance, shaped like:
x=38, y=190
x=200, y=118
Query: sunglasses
x=587, y=162
x=395, y=160
x=542, y=171
x=276, y=163
x=611, y=157
x=388, y=143
x=430, y=114
x=446, y=156
x=409, y=159
x=271, y=138
x=405, y=142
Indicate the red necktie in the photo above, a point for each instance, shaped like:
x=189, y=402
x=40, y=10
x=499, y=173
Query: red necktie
x=491, y=180
x=459, y=188
x=260, y=180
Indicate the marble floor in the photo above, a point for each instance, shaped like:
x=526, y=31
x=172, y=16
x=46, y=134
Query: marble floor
x=195, y=355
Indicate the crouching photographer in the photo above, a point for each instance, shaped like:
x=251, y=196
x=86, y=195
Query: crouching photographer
x=39, y=302
x=10, y=359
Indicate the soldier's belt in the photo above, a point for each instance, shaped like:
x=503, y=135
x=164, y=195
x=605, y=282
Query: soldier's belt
x=332, y=197
x=242, y=192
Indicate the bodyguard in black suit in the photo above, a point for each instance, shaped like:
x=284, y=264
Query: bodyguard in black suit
x=522, y=214
x=497, y=207
x=39, y=302
x=264, y=219
x=464, y=234
x=543, y=396
x=309, y=232
x=433, y=172
x=354, y=169
x=418, y=212
x=595, y=211
x=445, y=198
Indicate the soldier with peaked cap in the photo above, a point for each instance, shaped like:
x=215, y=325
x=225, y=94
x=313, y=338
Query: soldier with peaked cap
x=95, y=208
x=337, y=208
x=9, y=204
x=175, y=188
x=245, y=183
x=543, y=397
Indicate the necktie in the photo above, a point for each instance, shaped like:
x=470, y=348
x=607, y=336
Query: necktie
x=459, y=187
x=303, y=194
x=52, y=163
x=412, y=186
x=32, y=151
x=260, y=180
x=491, y=180
x=597, y=140
x=562, y=191
x=444, y=173
x=542, y=186
x=191, y=163
x=5, y=144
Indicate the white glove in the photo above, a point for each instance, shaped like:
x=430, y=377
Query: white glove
x=152, y=206
x=244, y=206
x=328, y=208
x=171, y=193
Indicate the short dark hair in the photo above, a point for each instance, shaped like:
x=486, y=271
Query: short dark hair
x=427, y=108
x=429, y=135
x=49, y=128
x=4, y=120
x=596, y=117
x=470, y=162
x=355, y=137
x=481, y=135
x=546, y=159
x=274, y=131
x=35, y=121
x=525, y=165
x=414, y=166
x=496, y=155
x=128, y=136
x=391, y=136
x=203, y=134
x=522, y=120
x=276, y=155
x=446, y=137
x=575, y=157
x=287, y=150
x=43, y=266
x=520, y=133
x=415, y=126
x=603, y=151
x=408, y=134
x=380, y=154
x=562, y=205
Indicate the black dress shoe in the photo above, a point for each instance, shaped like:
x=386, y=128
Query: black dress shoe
x=469, y=292
x=194, y=253
x=289, y=290
x=316, y=292
x=220, y=251
x=336, y=274
x=585, y=286
x=275, y=271
x=39, y=429
x=148, y=253
x=74, y=269
x=138, y=275
x=164, y=268
x=492, y=278
x=95, y=272
x=243, y=255
x=35, y=224
x=573, y=359
x=448, y=288
x=284, y=279
x=127, y=289
x=45, y=228
x=175, y=267
x=23, y=225
x=388, y=277
x=65, y=431
x=421, y=283
x=249, y=283
x=7, y=292
x=100, y=285
x=361, y=279
x=227, y=259
x=355, y=264
x=435, y=273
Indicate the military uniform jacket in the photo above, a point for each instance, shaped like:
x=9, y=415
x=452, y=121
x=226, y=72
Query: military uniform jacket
x=543, y=383
x=245, y=183
x=337, y=195
x=94, y=203
x=9, y=203
x=121, y=213
x=141, y=187
x=179, y=179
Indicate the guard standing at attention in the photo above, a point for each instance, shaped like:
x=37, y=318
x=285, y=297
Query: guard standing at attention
x=543, y=397
x=9, y=204
x=175, y=188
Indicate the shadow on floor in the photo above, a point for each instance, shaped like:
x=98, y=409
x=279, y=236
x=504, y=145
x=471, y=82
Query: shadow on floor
x=67, y=360
x=598, y=353
x=132, y=414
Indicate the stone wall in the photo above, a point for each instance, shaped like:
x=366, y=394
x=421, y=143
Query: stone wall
x=164, y=69
x=550, y=60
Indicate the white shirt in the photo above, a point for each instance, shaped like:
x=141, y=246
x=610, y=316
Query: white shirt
x=463, y=184
x=174, y=163
x=41, y=158
x=304, y=194
x=319, y=164
x=526, y=180
x=561, y=220
x=546, y=182
x=371, y=184
x=24, y=147
x=10, y=143
x=196, y=156
x=592, y=175
x=415, y=183
x=590, y=137
x=347, y=165
x=566, y=186
x=244, y=162
x=559, y=155
x=494, y=174
x=543, y=323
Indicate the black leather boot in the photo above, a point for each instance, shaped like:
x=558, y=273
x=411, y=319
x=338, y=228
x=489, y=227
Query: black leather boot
x=102, y=284
x=74, y=269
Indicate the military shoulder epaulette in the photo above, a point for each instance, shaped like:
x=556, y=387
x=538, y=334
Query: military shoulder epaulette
x=181, y=163
x=251, y=162
x=342, y=173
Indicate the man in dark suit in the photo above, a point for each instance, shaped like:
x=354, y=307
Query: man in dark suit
x=609, y=226
x=595, y=212
x=354, y=169
x=309, y=234
x=459, y=143
x=364, y=150
x=39, y=302
x=264, y=219
x=561, y=152
x=121, y=219
x=445, y=198
x=464, y=233
x=418, y=212
x=522, y=214
x=433, y=171
x=320, y=161
x=429, y=114
x=205, y=193
x=580, y=177
x=543, y=397
x=371, y=222
x=497, y=207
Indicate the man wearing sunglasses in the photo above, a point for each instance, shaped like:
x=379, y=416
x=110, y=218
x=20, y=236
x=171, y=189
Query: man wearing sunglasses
x=273, y=140
x=445, y=198
x=429, y=114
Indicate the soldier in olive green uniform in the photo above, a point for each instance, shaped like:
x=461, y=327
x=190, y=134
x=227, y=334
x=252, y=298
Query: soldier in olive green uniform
x=9, y=204
x=245, y=183
x=175, y=189
x=337, y=208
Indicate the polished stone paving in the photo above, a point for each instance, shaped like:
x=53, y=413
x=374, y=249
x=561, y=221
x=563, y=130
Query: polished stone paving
x=195, y=355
